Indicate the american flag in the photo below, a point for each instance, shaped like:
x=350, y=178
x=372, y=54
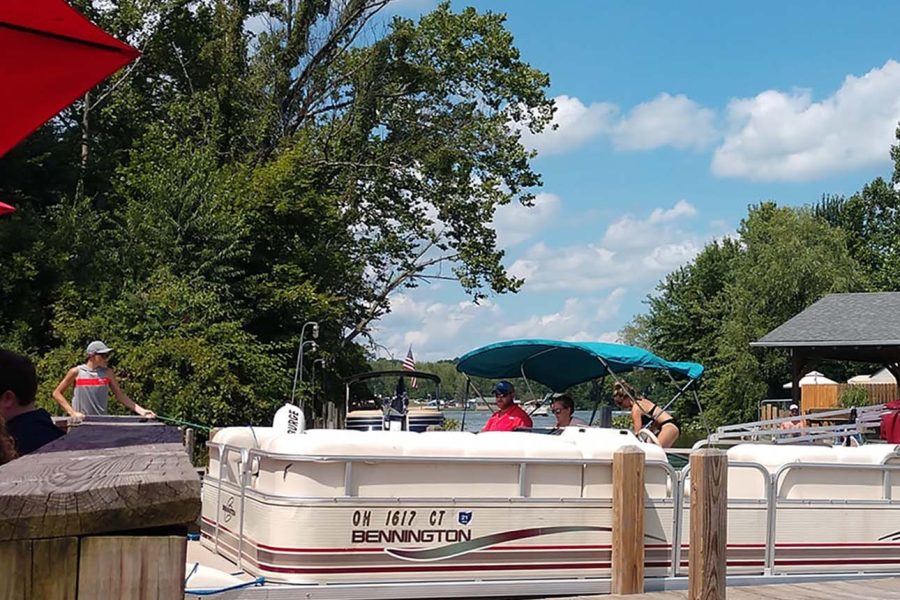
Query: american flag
x=409, y=364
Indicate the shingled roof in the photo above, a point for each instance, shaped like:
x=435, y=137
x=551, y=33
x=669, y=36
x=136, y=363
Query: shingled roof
x=841, y=320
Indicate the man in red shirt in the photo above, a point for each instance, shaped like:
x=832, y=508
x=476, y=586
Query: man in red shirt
x=510, y=416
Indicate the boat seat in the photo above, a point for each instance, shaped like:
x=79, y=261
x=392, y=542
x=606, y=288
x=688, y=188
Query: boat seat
x=810, y=483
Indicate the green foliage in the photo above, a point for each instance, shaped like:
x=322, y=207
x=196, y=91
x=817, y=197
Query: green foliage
x=203, y=204
x=735, y=292
x=854, y=396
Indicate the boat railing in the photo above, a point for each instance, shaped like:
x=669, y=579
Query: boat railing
x=868, y=418
x=774, y=495
x=248, y=466
x=247, y=463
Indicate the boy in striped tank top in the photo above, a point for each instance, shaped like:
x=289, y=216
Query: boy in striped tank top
x=92, y=381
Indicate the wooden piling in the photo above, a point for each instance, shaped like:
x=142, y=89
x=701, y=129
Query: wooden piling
x=709, y=524
x=190, y=442
x=628, y=521
x=100, y=513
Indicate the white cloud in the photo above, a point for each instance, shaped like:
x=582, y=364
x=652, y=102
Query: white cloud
x=787, y=136
x=428, y=325
x=576, y=320
x=573, y=292
x=682, y=208
x=631, y=250
x=574, y=124
x=515, y=223
x=438, y=330
x=666, y=120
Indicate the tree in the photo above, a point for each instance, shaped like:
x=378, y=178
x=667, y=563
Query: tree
x=685, y=316
x=734, y=292
x=788, y=260
x=232, y=186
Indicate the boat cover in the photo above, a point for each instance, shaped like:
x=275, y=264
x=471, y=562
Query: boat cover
x=560, y=365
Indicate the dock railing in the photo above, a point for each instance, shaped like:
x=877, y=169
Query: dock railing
x=102, y=512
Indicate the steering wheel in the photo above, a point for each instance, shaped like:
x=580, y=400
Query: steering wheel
x=645, y=435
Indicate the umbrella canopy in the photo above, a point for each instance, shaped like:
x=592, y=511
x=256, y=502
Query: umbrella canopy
x=6, y=208
x=49, y=56
x=560, y=365
x=882, y=376
x=811, y=378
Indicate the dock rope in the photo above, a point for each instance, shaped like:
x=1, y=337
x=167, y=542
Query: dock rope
x=182, y=422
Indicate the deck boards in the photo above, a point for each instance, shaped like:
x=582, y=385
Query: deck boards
x=882, y=589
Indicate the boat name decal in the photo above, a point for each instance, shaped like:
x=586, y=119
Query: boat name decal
x=406, y=536
x=471, y=545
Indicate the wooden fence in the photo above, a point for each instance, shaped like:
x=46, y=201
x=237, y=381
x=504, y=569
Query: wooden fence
x=828, y=395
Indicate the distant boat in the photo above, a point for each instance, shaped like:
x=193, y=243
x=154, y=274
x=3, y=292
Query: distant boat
x=537, y=410
x=393, y=411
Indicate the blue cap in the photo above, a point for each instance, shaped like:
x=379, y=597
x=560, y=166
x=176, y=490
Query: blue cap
x=504, y=387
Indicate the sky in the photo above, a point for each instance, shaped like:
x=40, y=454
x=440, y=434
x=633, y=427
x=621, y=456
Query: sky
x=673, y=118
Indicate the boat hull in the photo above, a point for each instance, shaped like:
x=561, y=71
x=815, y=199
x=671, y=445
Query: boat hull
x=352, y=507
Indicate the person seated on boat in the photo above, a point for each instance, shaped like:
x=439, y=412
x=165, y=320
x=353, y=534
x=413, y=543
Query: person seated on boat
x=645, y=414
x=30, y=427
x=510, y=415
x=563, y=407
x=788, y=425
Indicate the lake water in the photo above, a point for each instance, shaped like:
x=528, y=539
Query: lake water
x=475, y=419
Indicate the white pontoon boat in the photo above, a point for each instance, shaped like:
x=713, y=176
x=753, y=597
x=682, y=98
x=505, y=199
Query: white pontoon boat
x=398, y=514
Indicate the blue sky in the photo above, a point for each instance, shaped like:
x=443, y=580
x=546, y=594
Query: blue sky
x=673, y=118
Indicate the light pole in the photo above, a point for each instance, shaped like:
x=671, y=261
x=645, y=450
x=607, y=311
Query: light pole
x=299, y=366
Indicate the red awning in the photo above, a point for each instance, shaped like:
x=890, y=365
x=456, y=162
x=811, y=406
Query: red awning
x=50, y=55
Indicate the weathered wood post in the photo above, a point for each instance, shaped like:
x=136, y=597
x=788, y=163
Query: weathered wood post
x=709, y=524
x=190, y=442
x=628, y=521
x=101, y=512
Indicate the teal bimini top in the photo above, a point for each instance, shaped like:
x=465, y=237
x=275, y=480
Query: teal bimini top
x=560, y=365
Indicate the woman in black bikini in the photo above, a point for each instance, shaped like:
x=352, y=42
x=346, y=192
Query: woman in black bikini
x=646, y=414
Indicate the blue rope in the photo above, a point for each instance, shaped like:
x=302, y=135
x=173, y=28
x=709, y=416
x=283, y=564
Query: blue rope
x=256, y=582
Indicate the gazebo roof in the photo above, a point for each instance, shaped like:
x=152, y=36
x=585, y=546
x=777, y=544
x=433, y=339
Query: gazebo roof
x=843, y=327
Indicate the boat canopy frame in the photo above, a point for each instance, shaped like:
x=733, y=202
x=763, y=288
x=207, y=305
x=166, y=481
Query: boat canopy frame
x=566, y=364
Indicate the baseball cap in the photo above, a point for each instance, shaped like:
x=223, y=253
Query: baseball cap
x=503, y=387
x=98, y=347
x=794, y=407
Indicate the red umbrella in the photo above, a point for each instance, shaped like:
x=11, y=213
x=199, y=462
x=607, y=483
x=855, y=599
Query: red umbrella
x=6, y=208
x=50, y=55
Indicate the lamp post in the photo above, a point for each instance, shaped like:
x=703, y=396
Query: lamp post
x=299, y=366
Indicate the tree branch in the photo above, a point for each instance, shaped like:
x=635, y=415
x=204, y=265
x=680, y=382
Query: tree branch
x=393, y=284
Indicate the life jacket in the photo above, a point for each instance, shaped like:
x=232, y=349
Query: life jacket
x=890, y=423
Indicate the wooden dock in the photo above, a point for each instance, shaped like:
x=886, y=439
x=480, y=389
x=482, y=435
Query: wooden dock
x=876, y=589
x=101, y=512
